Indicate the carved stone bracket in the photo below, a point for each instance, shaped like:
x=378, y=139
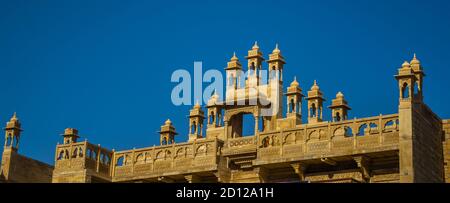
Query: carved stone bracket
x=300, y=170
x=363, y=164
x=192, y=178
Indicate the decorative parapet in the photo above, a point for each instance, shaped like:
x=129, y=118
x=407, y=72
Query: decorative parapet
x=83, y=155
x=239, y=146
x=325, y=139
x=154, y=162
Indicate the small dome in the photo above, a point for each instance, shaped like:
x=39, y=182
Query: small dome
x=234, y=58
x=406, y=64
x=276, y=50
x=168, y=122
x=415, y=61
x=14, y=117
x=255, y=46
x=295, y=83
x=197, y=105
x=315, y=86
x=340, y=95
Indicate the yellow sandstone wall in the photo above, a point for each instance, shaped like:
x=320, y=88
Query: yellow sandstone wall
x=446, y=144
x=20, y=169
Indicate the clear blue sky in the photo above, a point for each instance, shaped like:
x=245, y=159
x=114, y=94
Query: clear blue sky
x=104, y=67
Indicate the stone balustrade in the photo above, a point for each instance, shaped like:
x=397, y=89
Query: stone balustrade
x=158, y=161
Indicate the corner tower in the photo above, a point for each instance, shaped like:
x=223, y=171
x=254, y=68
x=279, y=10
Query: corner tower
x=12, y=133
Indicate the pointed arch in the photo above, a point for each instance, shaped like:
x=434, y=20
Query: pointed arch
x=120, y=161
x=405, y=90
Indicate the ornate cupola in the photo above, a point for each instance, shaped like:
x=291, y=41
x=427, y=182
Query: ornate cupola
x=419, y=74
x=70, y=135
x=315, y=104
x=12, y=133
x=255, y=59
x=214, y=111
x=339, y=108
x=233, y=73
x=406, y=80
x=294, y=101
x=167, y=133
x=196, y=117
x=276, y=62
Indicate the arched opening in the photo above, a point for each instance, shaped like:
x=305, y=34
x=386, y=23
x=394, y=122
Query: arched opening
x=16, y=141
x=75, y=153
x=405, y=91
x=348, y=131
x=248, y=125
x=416, y=89
x=338, y=116
x=66, y=154
x=140, y=159
x=292, y=106
x=220, y=117
x=373, y=127
x=212, y=117
x=61, y=155
x=390, y=126
x=119, y=161
x=89, y=153
x=242, y=124
x=94, y=155
x=193, y=127
x=313, y=110
x=273, y=73
x=80, y=152
x=107, y=160
x=8, y=141
x=363, y=130
x=102, y=158
x=164, y=141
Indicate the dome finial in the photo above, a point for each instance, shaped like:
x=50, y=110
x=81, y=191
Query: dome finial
x=234, y=58
x=276, y=50
x=14, y=117
x=415, y=61
x=168, y=122
x=197, y=105
x=295, y=83
x=255, y=46
x=315, y=86
x=339, y=95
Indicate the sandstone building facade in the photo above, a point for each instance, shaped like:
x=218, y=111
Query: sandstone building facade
x=412, y=145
